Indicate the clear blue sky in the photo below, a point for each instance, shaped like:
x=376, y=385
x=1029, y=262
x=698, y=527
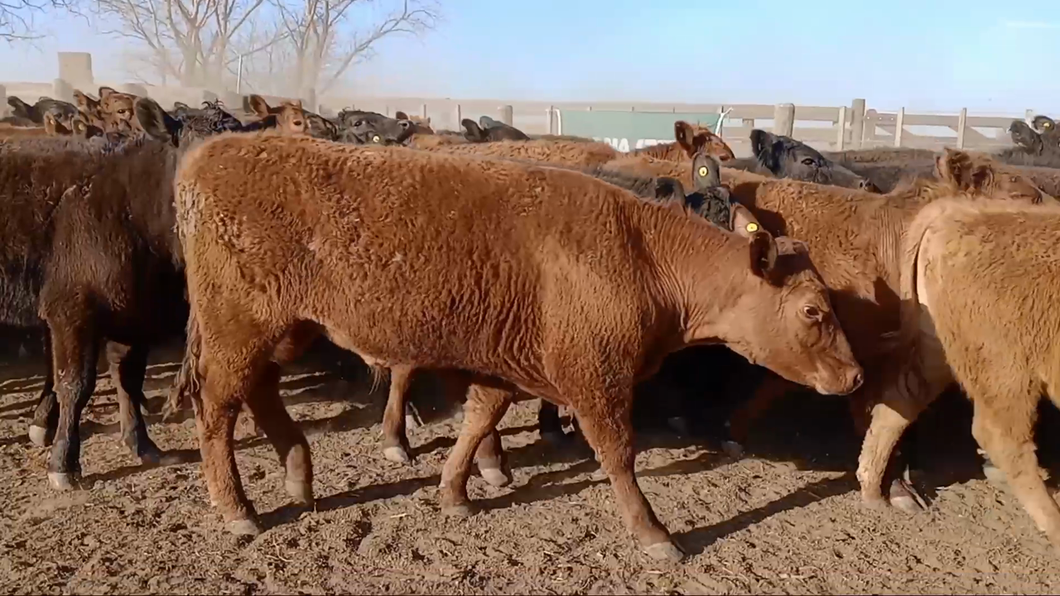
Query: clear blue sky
x=938, y=55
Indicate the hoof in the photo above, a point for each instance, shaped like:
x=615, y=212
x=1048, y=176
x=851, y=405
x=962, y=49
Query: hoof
x=458, y=510
x=555, y=438
x=664, y=551
x=905, y=498
x=243, y=527
x=875, y=503
x=495, y=477
x=994, y=474
x=301, y=492
x=62, y=480
x=150, y=456
x=38, y=435
x=170, y=458
x=396, y=455
x=733, y=449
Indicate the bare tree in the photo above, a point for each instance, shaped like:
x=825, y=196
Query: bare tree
x=323, y=43
x=189, y=40
x=16, y=17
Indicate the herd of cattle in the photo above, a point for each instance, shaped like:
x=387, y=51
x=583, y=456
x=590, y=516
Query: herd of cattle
x=515, y=267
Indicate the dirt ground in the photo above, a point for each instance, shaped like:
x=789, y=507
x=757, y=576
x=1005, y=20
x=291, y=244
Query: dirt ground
x=786, y=519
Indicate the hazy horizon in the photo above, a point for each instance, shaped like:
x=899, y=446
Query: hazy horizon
x=936, y=57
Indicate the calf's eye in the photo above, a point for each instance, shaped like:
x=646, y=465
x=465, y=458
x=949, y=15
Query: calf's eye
x=811, y=312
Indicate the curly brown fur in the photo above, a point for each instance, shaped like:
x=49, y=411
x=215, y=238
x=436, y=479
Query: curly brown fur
x=555, y=152
x=543, y=246
x=975, y=311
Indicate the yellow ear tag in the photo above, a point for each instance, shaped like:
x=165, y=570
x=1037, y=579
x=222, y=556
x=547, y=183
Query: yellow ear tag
x=752, y=227
x=703, y=171
x=375, y=139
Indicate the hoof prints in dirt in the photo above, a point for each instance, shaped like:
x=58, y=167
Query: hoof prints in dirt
x=749, y=525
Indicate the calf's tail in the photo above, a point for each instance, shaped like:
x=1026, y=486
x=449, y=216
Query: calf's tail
x=187, y=385
x=906, y=341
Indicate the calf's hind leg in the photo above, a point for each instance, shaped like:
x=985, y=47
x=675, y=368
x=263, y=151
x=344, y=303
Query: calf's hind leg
x=46, y=414
x=1003, y=425
x=288, y=440
x=484, y=408
x=395, y=439
x=75, y=351
x=128, y=367
x=225, y=389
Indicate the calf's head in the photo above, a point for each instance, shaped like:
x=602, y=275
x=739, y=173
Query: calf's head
x=288, y=117
x=784, y=320
x=785, y=157
x=1025, y=137
x=709, y=199
x=698, y=139
x=117, y=110
x=364, y=128
x=487, y=129
x=981, y=176
x=420, y=124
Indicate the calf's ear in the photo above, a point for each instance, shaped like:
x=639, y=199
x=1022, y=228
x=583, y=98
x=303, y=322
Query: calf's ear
x=155, y=121
x=1043, y=123
x=669, y=189
x=763, y=251
x=50, y=125
x=258, y=105
x=472, y=132
x=762, y=143
x=744, y=222
x=953, y=166
x=399, y=115
x=684, y=134
x=705, y=171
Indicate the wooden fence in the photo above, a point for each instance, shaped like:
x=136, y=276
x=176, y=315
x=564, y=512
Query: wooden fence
x=827, y=128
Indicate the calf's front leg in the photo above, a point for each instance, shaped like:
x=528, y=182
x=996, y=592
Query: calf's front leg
x=607, y=425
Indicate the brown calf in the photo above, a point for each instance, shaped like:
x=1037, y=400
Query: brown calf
x=118, y=111
x=289, y=118
x=690, y=139
x=112, y=112
x=978, y=308
x=855, y=237
x=709, y=201
x=421, y=125
x=573, y=289
x=89, y=252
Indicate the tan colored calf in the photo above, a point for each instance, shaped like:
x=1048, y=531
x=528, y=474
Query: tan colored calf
x=532, y=279
x=979, y=307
